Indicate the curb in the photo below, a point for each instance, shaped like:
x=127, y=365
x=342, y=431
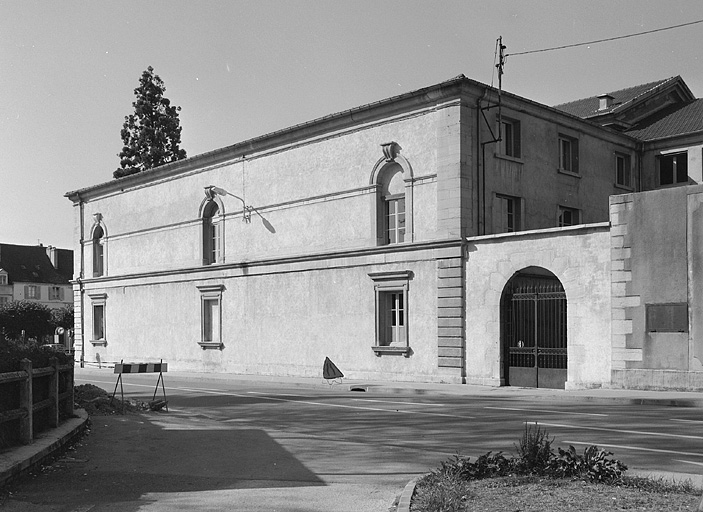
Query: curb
x=21, y=459
x=525, y=393
x=594, y=395
x=406, y=496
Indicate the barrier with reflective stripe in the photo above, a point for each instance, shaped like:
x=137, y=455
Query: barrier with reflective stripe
x=160, y=367
x=141, y=367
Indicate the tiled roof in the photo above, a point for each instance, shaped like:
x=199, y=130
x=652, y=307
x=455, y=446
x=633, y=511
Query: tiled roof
x=674, y=120
x=588, y=107
x=29, y=264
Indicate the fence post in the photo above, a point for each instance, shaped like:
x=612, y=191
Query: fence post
x=26, y=402
x=54, y=394
x=68, y=404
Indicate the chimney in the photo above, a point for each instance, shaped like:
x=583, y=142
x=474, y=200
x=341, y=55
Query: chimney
x=53, y=257
x=606, y=101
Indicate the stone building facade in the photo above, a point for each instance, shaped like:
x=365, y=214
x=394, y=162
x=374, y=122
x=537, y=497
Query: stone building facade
x=404, y=240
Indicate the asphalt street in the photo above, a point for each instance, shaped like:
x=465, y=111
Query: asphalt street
x=267, y=445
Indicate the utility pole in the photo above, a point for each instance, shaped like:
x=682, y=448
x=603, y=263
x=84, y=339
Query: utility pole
x=500, y=66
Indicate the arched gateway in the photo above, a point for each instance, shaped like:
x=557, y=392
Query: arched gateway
x=533, y=328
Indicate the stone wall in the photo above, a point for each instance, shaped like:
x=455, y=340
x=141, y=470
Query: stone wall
x=579, y=258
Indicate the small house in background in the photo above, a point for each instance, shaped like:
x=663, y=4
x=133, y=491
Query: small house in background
x=449, y=234
x=36, y=273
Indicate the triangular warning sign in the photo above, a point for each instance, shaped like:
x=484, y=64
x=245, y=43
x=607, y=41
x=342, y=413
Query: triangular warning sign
x=330, y=370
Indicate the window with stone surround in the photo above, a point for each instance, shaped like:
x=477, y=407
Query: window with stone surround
x=211, y=316
x=392, y=181
x=212, y=220
x=98, y=303
x=391, y=312
x=98, y=251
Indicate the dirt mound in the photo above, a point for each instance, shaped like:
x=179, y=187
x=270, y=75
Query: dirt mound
x=98, y=402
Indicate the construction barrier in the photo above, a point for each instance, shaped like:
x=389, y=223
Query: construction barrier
x=160, y=367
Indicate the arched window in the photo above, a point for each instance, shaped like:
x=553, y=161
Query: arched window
x=393, y=180
x=212, y=233
x=98, y=251
x=393, y=204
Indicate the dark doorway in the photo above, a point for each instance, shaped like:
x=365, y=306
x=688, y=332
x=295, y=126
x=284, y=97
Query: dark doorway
x=534, y=330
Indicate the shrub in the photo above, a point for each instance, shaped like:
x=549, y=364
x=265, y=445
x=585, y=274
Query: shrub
x=486, y=466
x=25, y=317
x=13, y=351
x=535, y=456
x=534, y=451
x=600, y=468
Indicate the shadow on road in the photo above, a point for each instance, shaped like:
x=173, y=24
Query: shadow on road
x=127, y=457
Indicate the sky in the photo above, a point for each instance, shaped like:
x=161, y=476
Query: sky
x=240, y=69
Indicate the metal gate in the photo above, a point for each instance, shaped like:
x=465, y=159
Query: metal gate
x=535, y=336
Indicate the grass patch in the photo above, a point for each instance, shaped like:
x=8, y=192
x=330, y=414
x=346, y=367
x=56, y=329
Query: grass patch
x=540, y=494
x=539, y=478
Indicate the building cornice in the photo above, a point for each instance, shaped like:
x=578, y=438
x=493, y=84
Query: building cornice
x=283, y=264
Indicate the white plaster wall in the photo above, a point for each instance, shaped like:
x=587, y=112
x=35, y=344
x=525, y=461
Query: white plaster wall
x=277, y=320
x=580, y=258
x=314, y=197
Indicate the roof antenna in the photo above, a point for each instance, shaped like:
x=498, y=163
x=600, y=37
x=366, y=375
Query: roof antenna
x=500, y=66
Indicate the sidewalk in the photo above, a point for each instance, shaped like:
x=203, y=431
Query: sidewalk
x=22, y=458
x=18, y=460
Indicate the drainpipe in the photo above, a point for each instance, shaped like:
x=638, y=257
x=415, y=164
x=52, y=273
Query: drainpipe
x=80, y=280
x=481, y=167
x=640, y=158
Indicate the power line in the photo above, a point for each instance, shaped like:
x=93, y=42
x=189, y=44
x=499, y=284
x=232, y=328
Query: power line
x=608, y=39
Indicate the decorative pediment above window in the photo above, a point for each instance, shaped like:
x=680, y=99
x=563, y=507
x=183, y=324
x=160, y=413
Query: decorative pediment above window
x=390, y=150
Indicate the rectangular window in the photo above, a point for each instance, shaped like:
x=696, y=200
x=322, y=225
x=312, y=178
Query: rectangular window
x=4, y=300
x=211, y=320
x=568, y=216
x=391, y=294
x=215, y=241
x=3, y=279
x=623, y=170
x=507, y=214
x=667, y=317
x=211, y=316
x=392, y=321
x=673, y=169
x=32, y=292
x=568, y=154
x=98, y=307
x=212, y=238
x=55, y=293
x=510, y=138
x=98, y=322
x=395, y=220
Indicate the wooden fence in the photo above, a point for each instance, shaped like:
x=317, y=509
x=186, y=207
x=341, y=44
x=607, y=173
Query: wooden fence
x=56, y=401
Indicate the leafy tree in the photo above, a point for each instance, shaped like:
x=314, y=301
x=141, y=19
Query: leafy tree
x=62, y=317
x=21, y=315
x=152, y=135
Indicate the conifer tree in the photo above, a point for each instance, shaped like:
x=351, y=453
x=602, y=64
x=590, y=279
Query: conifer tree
x=152, y=135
